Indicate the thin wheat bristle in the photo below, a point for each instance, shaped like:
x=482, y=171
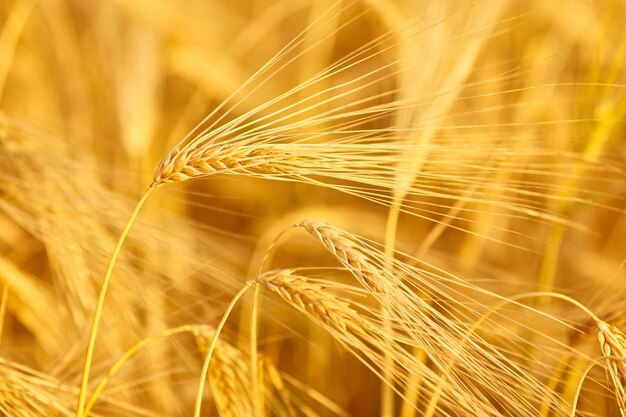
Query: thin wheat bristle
x=364, y=337
x=613, y=344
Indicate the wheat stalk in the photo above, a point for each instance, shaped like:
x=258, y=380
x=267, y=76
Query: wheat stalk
x=228, y=376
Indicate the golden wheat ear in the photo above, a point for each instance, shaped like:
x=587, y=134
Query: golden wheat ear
x=613, y=345
x=25, y=392
x=211, y=159
x=361, y=333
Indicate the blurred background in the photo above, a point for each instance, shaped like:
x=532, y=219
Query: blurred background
x=520, y=104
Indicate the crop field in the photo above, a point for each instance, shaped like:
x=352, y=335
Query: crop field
x=318, y=208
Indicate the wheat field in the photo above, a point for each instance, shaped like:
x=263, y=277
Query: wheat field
x=320, y=208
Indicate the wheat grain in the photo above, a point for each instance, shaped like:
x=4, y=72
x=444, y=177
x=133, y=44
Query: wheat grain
x=613, y=344
x=311, y=299
x=188, y=163
x=349, y=254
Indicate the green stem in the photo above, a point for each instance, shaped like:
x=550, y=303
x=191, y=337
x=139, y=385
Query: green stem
x=82, y=395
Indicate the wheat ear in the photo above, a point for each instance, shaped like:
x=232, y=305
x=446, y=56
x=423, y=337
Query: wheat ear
x=363, y=337
x=613, y=344
x=210, y=159
x=312, y=299
x=444, y=340
x=228, y=375
x=346, y=252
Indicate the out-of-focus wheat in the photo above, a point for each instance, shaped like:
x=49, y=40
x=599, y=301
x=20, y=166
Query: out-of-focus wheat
x=475, y=152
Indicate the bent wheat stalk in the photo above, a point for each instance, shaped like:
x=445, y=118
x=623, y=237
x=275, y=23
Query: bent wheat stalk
x=93, y=332
x=207, y=360
x=228, y=376
x=128, y=355
x=585, y=373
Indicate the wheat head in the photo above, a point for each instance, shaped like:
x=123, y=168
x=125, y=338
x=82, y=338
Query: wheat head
x=210, y=159
x=613, y=344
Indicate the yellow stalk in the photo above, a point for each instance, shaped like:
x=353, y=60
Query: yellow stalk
x=82, y=394
x=574, y=381
x=554, y=381
x=387, y=406
x=3, y=307
x=583, y=376
x=257, y=392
